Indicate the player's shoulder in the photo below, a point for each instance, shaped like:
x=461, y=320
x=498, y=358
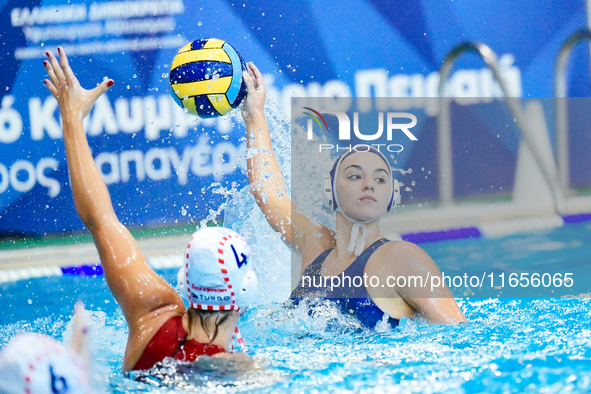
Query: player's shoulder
x=403, y=248
x=405, y=255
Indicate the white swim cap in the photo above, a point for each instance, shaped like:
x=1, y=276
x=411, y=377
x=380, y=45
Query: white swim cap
x=37, y=364
x=218, y=274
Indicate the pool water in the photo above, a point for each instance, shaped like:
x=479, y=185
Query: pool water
x=509, y=345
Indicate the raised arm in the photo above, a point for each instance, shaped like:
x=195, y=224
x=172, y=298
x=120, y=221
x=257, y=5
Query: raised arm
x=267, y=184
x=139, y=291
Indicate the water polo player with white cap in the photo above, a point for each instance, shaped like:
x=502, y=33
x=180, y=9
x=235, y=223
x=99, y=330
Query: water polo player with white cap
x=38, y=364
x=219, y=278
x=219, y=282
x=361, y=189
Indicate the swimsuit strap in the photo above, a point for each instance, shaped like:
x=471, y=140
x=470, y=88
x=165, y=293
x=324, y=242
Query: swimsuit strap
x=357, y=267
x=314, y=267
x=181, y=344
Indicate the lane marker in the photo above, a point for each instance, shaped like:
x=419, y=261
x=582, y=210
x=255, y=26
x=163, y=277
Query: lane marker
x=489, y=230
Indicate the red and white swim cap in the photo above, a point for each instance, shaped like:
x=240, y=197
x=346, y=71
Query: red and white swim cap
x=218, y=274
x=37, y=364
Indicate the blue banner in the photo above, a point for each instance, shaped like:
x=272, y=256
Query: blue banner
x=163, y=166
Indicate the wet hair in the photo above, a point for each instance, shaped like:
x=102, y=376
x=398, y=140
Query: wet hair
x=207, y=319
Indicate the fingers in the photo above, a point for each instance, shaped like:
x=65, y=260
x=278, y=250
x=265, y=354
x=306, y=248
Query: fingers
x=256, y=71
x=65, y=66
x=50, y=72
x=102, y=88
x=249, y=81
x=259, y=83
x=51, y=87
x=61, y=78
x=251, y=73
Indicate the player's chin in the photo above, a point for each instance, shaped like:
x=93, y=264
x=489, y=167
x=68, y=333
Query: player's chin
x=369, y=213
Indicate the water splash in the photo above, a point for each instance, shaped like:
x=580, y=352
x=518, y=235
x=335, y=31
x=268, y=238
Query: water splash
x=271, y=256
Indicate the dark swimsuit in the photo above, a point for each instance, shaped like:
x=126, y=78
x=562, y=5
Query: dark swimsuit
x=351, y=300
x=171, y=341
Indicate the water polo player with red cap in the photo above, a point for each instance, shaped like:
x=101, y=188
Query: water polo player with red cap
x=217, y=279
x=360, y=189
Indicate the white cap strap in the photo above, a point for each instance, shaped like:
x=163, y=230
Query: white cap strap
x=356, y=245
x=357, y=241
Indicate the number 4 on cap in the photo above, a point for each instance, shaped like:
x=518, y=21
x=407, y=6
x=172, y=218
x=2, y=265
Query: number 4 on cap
x=238, y=261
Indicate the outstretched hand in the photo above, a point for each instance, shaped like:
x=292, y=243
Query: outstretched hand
x=74, y=101
x=254, y=103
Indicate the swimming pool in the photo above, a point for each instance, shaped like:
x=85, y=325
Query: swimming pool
x=510, y=345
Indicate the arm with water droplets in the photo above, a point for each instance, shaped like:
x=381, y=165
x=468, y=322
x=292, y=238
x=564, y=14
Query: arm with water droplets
x=267, y=184
x=140, y=292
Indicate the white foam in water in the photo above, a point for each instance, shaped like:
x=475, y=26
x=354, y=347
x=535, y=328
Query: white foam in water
x=271, y=256
x=106, y=342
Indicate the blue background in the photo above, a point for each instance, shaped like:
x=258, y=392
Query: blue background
x=305, y=43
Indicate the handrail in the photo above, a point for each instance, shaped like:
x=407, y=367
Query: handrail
x=444, y=125
x=560, y=103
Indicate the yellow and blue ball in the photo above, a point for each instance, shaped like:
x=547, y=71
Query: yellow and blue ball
x=206, y=78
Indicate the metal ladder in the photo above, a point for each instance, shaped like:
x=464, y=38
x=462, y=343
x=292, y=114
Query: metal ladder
x=547, y=167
